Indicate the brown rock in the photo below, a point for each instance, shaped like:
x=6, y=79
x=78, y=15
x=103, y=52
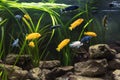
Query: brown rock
x=59, y=71
x=116, y=74
x=24, y=61
x=74, y=77
x=91, y=68
x=35, y=73
x=14, y=72
x=101, y=51
x=49, y=64
x=117, y=56
x=114, y=64
x=117, y=49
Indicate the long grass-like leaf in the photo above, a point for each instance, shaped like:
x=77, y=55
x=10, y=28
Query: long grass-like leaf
x=77, y=15
x=38, y=24
x=30, y=19
x=84, y=28
x=1, y=42
x=53, y=31
x=28, y=24
x=2, y=22
x=21, y=51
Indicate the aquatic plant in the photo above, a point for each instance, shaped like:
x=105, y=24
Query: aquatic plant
x=50, y=1
x=2, y=36
x=44, y=31
x=84, y=27
x=1, y=43
x=29, y=27
x=38, y=48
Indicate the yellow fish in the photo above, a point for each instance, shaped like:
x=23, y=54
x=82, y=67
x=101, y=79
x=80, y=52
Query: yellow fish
x=26, y=16
x=32, y=36
x=62, y=44
x=76, y=23
x=93, y=34
x=31, y=44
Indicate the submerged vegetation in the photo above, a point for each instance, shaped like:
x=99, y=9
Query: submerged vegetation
x=35, y=36
x=29, y=30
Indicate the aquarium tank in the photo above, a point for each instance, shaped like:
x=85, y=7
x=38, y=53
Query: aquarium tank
x=59, y=40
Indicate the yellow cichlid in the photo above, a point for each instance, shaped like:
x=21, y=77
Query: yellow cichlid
x=33, y=36
x=26, y=16
x=93, y=34
x=31, y=44
x=62, y=44
x=76, y=23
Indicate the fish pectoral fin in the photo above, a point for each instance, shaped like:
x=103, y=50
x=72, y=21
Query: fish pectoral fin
x=78, y=46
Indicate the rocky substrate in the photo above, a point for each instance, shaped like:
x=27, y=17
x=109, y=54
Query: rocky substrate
x=103, y=63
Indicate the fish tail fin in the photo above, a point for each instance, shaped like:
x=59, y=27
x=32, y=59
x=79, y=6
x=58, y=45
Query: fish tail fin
x=58, y=49
x=81, y=44
x=84, y=32
x=70, y=45
x=70, y=28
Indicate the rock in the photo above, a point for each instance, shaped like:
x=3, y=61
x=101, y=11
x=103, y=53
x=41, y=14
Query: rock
x=14, y=72
x=24, y=61
x=117, y=56
x=64, y=77
x=59, y=71
x=117, y=49
x=91, y=68
x=74, y=77
x=108, y=75
x=45, y=72
x=101, y=51
x=116, y=74
x=80, y=54
x=38, y=74
x=35, y=73
x=49, y=64
x=114, y=64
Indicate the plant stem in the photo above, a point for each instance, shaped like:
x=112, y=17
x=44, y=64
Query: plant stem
x=84, y=28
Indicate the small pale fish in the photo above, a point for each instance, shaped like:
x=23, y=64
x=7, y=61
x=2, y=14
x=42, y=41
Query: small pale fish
x=62, y=44
x=31, y=44
x=76, y=44
x=76, y=23
x=55, y=26
x=86, y=39
x=15, y=43
x=33, y=36
x=18, y=17
x=105, y=21
x=69, y=8
x=93, y=34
